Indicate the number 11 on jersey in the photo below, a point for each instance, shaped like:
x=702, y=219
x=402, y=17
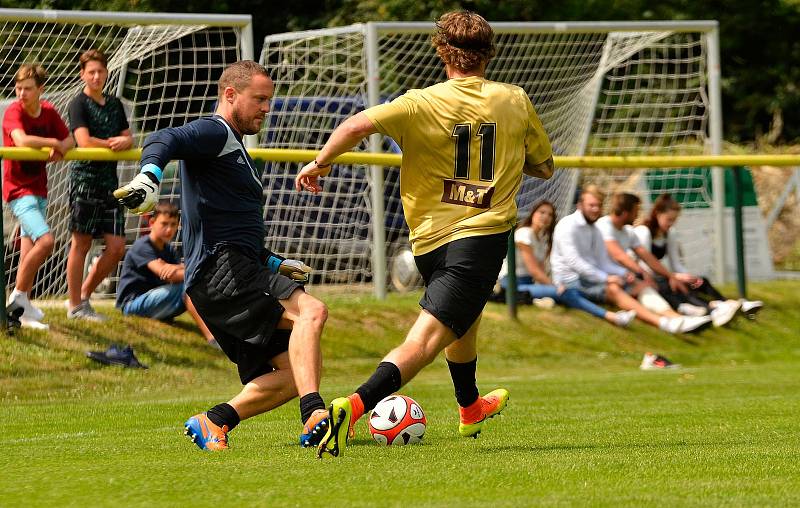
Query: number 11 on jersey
x=462, y=134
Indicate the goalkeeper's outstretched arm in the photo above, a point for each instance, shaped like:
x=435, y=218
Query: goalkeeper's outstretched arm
x=343, y=138
x=140, y=195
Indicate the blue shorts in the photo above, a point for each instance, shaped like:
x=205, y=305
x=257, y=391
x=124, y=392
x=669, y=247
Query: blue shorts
x=164, y=302
x=31, y=211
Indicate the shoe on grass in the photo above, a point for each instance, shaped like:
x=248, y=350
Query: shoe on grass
x=205, y=433
x=84, y=310
x=33, y=324
x=490, y=406
x=315, y=428
x=656, y=362
x=687, y=309
x=114, y=355
x=334, y=441
x=750, y=307
x=694, y=323
x=723, y=313
x=623, y=318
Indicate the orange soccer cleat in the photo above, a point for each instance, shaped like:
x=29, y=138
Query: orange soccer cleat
x=316, y=426
x=474, y=416
x=205, y=433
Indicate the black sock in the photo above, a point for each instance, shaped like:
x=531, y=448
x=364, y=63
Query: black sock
x=383, y=382
x=308, y=404
x=463, y=375
x=223, y=414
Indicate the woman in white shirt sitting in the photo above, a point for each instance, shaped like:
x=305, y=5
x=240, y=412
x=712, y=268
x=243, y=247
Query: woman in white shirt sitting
x=534, y=239
x=697, y=291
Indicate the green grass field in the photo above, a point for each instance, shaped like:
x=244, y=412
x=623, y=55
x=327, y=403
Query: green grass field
x=584, y=426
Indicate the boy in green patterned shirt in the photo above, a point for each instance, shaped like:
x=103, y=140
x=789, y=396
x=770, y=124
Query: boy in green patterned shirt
x=97, y=120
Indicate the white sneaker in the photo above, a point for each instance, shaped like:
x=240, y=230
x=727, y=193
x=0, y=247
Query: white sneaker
x=751, y=306
x=723, y=313
x=694, y=323
x=670, y=325
x=656, y=362
x=687, y=309
x=544, y=303
x=23, y=301
x=33, y=313
x=624, y=317
x=85, y=311
x=33, y=323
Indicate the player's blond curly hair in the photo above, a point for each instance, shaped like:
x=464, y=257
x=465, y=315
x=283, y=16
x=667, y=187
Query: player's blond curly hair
x=464, y=40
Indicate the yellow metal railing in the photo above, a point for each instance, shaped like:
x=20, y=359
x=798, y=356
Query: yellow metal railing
x=391, y=159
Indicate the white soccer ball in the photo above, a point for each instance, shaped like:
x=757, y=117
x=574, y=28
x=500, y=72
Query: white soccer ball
x=397, y=420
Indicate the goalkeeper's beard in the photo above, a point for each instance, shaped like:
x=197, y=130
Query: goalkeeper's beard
x=246, y=128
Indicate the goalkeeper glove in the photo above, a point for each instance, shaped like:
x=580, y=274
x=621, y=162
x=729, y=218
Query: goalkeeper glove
x=295, y=270
x=292, y=268
x=141, y=193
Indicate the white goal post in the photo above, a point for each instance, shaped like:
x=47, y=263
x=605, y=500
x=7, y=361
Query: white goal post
x=610, y=88
x=605, y=88
x=164, y=67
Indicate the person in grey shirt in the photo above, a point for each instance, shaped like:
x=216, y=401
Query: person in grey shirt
x=579, y=260
x=622, y=243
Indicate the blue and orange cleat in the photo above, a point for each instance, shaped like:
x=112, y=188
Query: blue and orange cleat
x=490, y=406
x=315, y=428
x=205, y=433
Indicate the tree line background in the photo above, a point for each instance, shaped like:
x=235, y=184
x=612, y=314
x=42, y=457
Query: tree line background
x=759, y=43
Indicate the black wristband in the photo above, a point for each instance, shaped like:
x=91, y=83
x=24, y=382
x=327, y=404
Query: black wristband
x=321, y=165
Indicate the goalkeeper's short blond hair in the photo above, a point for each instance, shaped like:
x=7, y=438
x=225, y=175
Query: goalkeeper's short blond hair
x=239, y=74
x=464, y=40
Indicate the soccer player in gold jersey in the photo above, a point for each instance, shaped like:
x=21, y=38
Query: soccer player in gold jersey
x=466, y=143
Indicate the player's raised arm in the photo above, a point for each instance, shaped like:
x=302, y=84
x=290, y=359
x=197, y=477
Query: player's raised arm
x=343, y=138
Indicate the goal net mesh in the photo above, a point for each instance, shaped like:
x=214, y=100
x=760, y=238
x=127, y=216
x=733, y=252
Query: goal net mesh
x=166, y=75
x=617, y=93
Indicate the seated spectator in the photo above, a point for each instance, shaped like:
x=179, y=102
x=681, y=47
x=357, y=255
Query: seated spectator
x=151, y=282
x=534, y=240
x=694, y=294
x=579, y=260
x=621, y=242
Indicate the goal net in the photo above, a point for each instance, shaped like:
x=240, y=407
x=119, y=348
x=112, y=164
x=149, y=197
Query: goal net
x=164, y=68
x=599, y=88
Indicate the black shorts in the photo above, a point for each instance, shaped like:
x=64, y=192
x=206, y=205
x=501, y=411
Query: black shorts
x=237, y=297
x=459, y=277
x=95, y=211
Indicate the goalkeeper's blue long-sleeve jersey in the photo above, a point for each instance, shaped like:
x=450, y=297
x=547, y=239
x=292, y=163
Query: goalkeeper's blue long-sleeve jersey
x=221, y=188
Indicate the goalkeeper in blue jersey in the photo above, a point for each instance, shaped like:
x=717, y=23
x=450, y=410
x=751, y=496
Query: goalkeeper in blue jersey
x=251, y=299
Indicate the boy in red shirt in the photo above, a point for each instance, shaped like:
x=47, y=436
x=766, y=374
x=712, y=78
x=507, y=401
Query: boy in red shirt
x=33, y=123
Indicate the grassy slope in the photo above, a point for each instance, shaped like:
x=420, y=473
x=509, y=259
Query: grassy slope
x=584, y=425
